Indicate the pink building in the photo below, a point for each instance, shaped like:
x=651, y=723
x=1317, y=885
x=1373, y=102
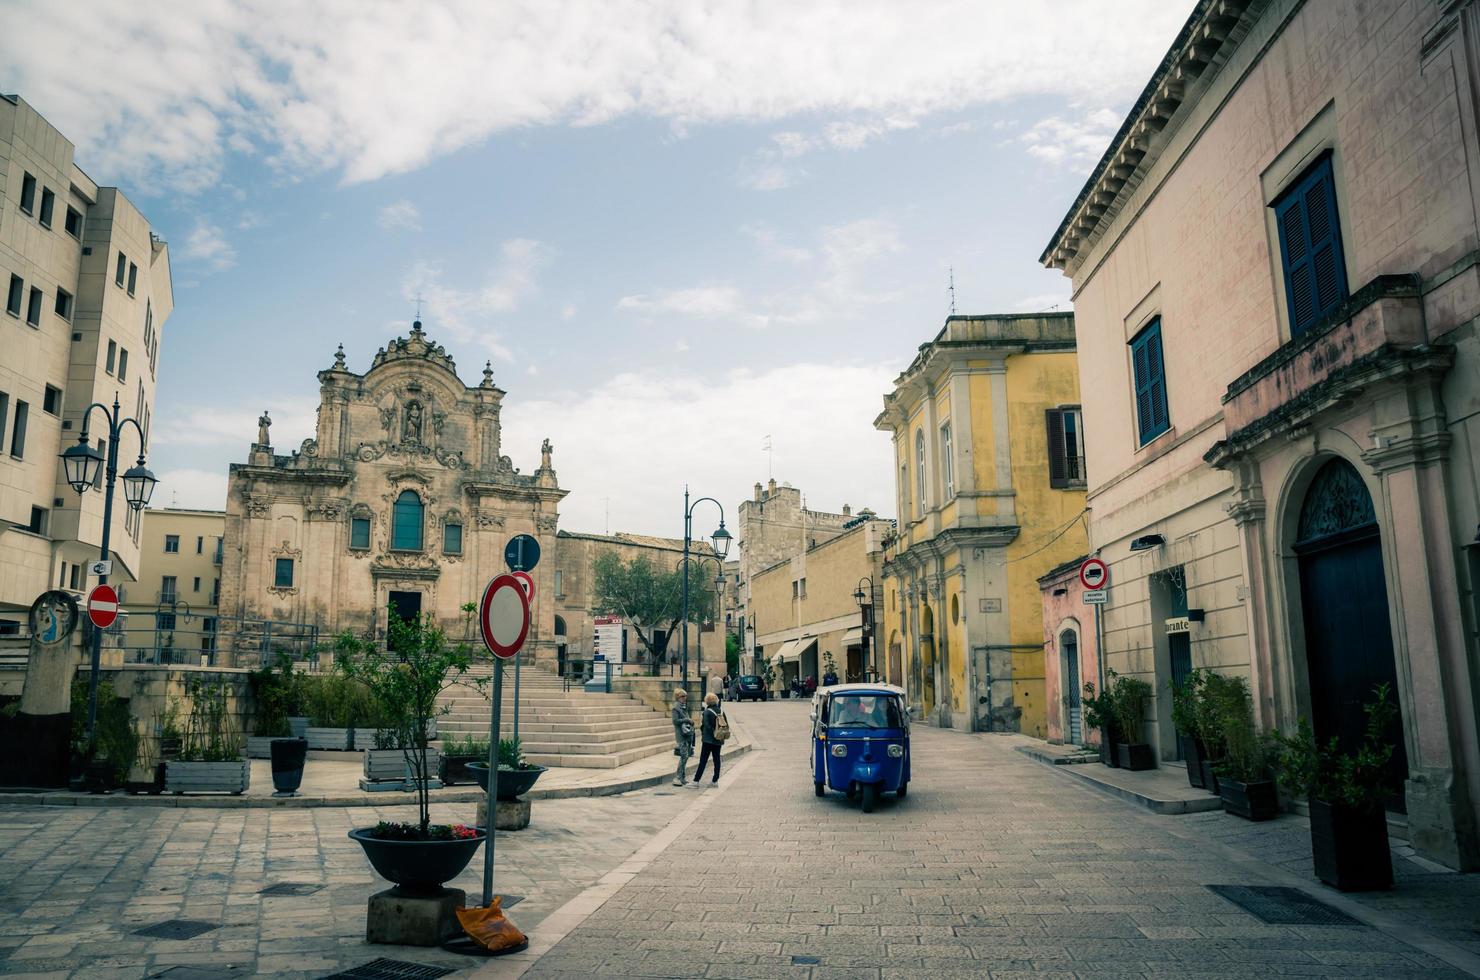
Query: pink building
x=1276, y=274
x=1071, y=655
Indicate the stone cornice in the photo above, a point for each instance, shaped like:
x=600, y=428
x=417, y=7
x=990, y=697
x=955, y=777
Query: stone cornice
x=1203, y=38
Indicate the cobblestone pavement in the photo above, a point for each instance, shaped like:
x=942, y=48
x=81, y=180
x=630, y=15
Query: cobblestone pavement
x=994, y=866
x=75, y=883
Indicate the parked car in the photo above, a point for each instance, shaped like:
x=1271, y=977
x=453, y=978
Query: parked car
x=751, y=687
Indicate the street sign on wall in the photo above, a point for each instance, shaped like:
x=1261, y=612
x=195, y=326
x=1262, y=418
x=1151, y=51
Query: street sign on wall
x=1094, y=574
x=1095, y=597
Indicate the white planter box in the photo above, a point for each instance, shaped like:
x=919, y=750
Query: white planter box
x=208, y=777
x=328, y=738
x=297, y=724
x=391, y=765
x=260, y=746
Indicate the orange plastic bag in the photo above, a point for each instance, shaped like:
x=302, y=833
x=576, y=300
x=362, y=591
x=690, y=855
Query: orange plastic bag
x=490, y=928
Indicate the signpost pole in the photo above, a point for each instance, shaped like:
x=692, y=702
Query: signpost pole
x=498, y=698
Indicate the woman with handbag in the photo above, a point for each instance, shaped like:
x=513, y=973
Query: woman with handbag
x=714, y=729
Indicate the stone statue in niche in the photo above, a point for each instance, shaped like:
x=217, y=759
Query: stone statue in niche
x=411, y=430
x=546, y=451
x=263, y=424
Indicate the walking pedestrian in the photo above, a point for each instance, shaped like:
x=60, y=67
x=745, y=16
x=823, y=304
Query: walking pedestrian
x=683, y=735
x=714, y=729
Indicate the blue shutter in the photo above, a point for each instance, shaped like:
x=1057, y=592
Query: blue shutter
x=1310, y=247
x=1149, y=369
x=406, y=522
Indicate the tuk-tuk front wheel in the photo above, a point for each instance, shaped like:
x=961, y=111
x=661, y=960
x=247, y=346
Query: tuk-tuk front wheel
x=870, y=794
x=817, y=788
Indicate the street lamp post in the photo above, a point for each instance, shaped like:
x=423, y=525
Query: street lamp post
x=719, y=581
x=81, y=464
x=865, y=602
x=721, y=544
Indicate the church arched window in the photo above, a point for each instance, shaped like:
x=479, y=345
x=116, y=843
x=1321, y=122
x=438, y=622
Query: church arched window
x=406, y=522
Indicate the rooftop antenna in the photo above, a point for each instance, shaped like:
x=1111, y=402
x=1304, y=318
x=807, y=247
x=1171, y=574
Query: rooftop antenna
x=608, y=515
x=770, y=459
x=953, y=289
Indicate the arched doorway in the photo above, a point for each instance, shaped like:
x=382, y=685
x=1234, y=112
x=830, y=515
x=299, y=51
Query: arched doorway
x=560, y=641
x=1344, y=605
x=1069, y=650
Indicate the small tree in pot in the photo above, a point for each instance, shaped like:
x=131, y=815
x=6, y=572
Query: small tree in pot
x=1209, y=724
x=1128, y=698
x=1244, y=780
x=1099, y=714
x=1186, y=694
x=1347, y=792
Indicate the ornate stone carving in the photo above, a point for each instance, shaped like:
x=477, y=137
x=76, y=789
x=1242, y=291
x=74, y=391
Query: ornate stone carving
x=325, y=510
x=487, y=520
x=258, y=506
x=411, y=429
x=339, y=362
x=263, y=424
x=1336, y=501
x=369, y=452
x=285, y=550
x=388, y=419
x=547, y=523
x=310, y=447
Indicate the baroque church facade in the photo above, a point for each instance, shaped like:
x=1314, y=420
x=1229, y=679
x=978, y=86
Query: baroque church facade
x=403, y=499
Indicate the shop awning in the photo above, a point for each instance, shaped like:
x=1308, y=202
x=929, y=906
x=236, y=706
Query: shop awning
x=854, y=637
x=787, y=652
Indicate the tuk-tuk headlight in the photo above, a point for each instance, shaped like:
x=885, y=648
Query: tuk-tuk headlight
x=839, y=750
x=896, y=751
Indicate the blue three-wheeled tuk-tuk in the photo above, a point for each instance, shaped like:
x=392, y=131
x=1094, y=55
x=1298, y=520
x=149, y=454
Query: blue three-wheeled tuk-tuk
x=861, y=741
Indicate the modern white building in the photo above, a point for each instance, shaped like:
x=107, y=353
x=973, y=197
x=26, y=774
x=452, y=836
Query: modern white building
x=86, y=290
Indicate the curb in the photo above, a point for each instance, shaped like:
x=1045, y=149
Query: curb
x=63, y=798
x=1171, y=807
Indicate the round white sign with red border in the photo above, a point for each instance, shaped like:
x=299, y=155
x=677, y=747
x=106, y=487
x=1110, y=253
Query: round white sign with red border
x=102, y=606
x=1094, y=574
x=527, y=581
x=503, y=616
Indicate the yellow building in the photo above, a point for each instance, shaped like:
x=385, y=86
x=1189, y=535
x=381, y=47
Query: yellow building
x=170, y=613
x=990, y=469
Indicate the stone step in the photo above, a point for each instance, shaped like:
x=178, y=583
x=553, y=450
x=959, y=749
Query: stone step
x=559, y=745
x=595, y=761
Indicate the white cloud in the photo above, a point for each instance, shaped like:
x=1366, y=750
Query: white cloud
x=196, y=489
x=293, y=420
x=373, y=89
x=206, y=244
x=401, y=214
x=249, y=220
x=1072, y=142
x=469, y=315
x=773, y=247
x=845, y=278
x=822, y=415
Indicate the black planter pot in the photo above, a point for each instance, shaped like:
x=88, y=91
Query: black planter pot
x=1196, y=776
x=418, y=865
x=1136, y=758
x=1108, y=755
x=512, y=783
x=1252, y=801
x=1210, y=778
x=1350, y=847
x=288, y=756
x=99, y=777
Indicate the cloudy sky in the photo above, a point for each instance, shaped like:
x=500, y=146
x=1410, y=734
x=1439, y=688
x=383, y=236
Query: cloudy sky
x=675, y=228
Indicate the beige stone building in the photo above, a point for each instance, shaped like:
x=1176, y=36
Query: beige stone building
x=403, y=498
x=804, y=608
x=171, y=615
x=576, y=602
x=1276, y=274
x=86, y=291
x=774, y=525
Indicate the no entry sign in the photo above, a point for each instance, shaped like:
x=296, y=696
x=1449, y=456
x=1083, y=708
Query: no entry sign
x=503, y=616
x=102, y=606
x=526, y=580
x=1094, y=574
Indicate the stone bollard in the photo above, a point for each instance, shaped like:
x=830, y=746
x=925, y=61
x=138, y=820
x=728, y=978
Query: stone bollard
x=510, y=815
x=403, y=918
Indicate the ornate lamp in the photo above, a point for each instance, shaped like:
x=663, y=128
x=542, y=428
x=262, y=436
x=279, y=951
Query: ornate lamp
x=82, y=464
x=138, y=485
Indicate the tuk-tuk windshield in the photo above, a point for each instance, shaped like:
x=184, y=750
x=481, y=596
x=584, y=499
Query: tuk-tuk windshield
x=865, y=711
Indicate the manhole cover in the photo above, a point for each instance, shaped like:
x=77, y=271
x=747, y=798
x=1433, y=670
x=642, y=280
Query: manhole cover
x=805, y=961
x=176, y=929
x=384, y=969
x=1279, y=906
x=290, y=888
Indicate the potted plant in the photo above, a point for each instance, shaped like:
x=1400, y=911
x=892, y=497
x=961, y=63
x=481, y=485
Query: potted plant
x=404, y=677
x=270, y=687
x=1128, y=706
x=516, y=774
x=1347, y=792
x=211, y=759
x=104, y=762
x=1209, y=724
x=1244, y=781
x=333, y=703
x=1099, y=714
x=457, y=754
x=1185, y=696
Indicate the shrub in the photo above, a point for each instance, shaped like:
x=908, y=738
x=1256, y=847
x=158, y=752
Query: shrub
x=1128, y=699
x=114, y=737
x=1311, y=769
x=1186, y=694
x=1246, y=754
x=208, y=734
